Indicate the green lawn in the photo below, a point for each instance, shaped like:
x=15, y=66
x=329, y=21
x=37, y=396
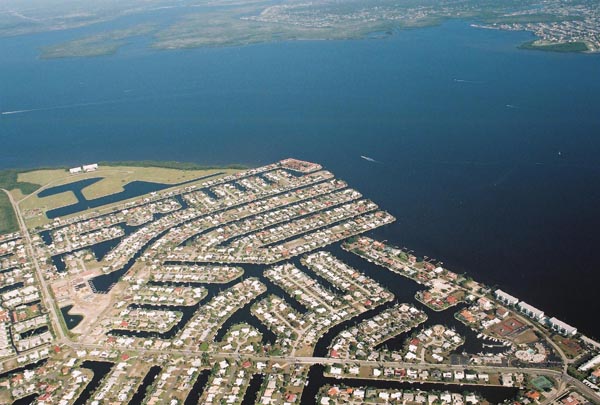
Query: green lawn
x=172, y=165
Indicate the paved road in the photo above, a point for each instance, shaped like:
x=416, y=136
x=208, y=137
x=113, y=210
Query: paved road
x=46, y=297
x=561, y=376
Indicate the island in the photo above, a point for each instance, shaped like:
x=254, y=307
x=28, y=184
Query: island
x=169, y=283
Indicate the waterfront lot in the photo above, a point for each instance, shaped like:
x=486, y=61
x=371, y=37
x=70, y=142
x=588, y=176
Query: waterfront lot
x=112, y=180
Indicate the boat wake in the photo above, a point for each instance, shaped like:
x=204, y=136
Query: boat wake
x=75, y=105
x=15, y=112
x=369, y=159
x=468, y=81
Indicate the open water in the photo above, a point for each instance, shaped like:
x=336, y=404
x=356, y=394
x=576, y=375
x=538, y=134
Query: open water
x=486, y=154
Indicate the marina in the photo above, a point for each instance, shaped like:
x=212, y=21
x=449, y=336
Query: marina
x=208, y=291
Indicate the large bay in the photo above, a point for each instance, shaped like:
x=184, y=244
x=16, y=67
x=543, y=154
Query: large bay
x=486, y=154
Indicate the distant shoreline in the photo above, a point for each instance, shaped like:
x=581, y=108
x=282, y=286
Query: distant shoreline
x=184, y=35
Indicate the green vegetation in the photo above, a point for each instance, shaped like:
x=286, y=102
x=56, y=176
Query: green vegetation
x=8, y=220
x=101, y=44
x=242, y=22
x=61, y=318
x=562, y=47
x=403, y=256
x=8, y=181
x=172, y=165
x=570, y=347
x=573, y=372
x=573, y=369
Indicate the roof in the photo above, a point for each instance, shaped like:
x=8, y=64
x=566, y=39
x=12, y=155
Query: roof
x=561, y=324
x=570, y=401
x=530, y=308
x=505, y=296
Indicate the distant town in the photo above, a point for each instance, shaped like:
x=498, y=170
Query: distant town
x=578, y=32
x=557, y=25
x=266, y=285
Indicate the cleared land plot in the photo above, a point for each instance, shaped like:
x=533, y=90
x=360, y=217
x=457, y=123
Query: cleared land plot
x=48, y=203
x=570, y=346
x=114, y=178
x=515, y=330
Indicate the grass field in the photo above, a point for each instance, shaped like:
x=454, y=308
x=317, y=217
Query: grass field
x=24, y=186
x=33, y=208
x=114, y=178
x=9, y=181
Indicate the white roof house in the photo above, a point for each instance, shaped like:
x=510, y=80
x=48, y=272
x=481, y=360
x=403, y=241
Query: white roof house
x=562, y=327
x=590, y=363
x=506, y=298
x=530, y=310
x=90, y=167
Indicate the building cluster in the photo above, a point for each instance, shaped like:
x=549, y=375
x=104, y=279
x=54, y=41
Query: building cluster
x=227, y=383
x=191, y=273
x=497, y=325
x=120, y=384
x=241, y=338
x=591, y=368
x=145, y=320
x=536, y=314
x=24, y=324
x=175, y=378
x=165, y=295
x=553, y=22
x=585, y=31
x=455, y=375
x=92, y=167
x=208, y=320
x=335, y=21
x=339, y=394
x=283, y=385
x=169, y=320
x=433, y=344
x=361, y=341
x=81, y=234
x=443, y=288
x=350, y=293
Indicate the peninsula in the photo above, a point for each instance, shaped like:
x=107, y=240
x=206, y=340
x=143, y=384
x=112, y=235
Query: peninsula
x=183, y=284
x=167, y=24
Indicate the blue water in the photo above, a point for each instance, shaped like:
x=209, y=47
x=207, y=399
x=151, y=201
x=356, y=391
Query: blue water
x=316, y=380
x=71, y=320
x=130, y=190
x=497, y=176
